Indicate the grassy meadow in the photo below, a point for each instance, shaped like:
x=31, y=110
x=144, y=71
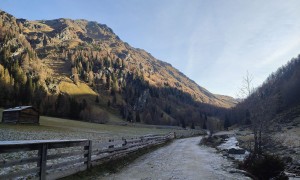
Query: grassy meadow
x=58, y=128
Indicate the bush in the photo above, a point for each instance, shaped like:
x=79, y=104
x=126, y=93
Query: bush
x=94, y=115
x=265, y=167
x=212, y=141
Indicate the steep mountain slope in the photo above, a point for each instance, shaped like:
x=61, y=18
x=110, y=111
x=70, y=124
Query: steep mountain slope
x=45, y=36
x=87, y=61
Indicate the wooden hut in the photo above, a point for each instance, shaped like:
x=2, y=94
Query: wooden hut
x=21, y=114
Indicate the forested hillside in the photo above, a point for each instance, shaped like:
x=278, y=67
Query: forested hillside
x=278, y=97
x=81, y=70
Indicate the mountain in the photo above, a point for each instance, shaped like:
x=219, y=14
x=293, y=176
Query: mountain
x=80, y=66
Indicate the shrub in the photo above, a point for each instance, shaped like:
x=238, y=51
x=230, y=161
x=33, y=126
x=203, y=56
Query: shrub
x=94, y=115
x=212, y=141
x=265, y=166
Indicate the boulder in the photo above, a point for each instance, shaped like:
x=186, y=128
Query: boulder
x=287, y=159
x=236, y=151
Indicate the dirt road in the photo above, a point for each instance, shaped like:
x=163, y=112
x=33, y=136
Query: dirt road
x=182, y=159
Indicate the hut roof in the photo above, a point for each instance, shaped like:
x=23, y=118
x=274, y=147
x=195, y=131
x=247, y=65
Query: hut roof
x=18, y=108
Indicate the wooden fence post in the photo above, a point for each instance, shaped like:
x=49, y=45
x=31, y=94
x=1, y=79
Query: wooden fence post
x=111, y=146
x=124, y=142
x=89, y=154
x=43, y=161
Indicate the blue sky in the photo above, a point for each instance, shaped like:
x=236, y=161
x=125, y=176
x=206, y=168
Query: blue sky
x=212, y=42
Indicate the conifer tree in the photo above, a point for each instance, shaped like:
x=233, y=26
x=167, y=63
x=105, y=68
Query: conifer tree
x=97, y=99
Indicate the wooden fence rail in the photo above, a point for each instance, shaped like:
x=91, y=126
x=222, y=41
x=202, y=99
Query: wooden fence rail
x=52, y=159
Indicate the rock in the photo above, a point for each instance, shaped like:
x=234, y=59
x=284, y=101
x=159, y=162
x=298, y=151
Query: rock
x=287, y=159
x=223, y=136
x=292, y=151
x=295, y=124
x=242, y=172
x=236, y=151
x=229, y=157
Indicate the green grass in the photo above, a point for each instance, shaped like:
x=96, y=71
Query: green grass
x=70, y=125
x=58, y=128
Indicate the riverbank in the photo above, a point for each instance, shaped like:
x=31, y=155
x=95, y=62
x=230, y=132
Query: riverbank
x=236, y=144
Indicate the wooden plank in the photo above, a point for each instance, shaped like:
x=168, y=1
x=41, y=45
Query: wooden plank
x=4, y=164
x=128, y=146
x=19, y=173
x=28, y=142
x=112, y=152
x=18, y=148
x=133, y=141
x=27, y=116
x=107, y=144
x=67, y=144
x=10, y=117
x=68, y=154
x=109, y=150
x=149, y=135
x=67, y=163
x=152, y=138
x=29, y=113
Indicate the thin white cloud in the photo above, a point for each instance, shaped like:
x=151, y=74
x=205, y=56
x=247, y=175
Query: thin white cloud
x=228, y=41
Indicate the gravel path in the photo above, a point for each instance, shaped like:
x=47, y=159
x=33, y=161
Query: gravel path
x=182, y=159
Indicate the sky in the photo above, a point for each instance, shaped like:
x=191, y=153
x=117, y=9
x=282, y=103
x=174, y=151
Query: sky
x=214, y=42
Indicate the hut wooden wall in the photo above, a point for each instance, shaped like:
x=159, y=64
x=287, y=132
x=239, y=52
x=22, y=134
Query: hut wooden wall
x=10, y=117
x=29, y=116
x=24, y=116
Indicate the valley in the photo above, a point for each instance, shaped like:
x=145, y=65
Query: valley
x=83, y=81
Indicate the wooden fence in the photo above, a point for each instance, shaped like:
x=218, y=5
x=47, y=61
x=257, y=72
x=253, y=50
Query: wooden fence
x=54, y=159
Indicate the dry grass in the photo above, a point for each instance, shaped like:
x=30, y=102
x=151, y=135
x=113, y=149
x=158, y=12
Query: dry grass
x=43, y=27
x=288, y=137
x=291, y=136
x=58, y=128
x=74, y=90
x=73, y=43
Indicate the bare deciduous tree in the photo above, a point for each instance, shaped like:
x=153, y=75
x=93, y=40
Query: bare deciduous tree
x=261, y=109
x=247, y=87
x=261, y=114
